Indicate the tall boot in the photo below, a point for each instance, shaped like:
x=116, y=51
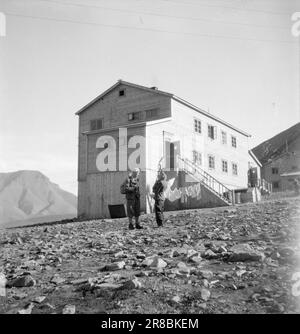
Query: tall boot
x=137, y=223
x=131, y=227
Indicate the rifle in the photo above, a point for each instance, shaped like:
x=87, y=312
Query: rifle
x=160, y=169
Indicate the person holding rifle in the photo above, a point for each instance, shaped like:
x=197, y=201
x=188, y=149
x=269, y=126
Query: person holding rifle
x=132, y=191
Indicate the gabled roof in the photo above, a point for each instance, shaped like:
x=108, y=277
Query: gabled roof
x=275, y=146
x=207, y=114
x=159, y=92
x=254, y=157
x=118, y=83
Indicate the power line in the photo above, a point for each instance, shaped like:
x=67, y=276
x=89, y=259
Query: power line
x=147, y=29
x=162, y=15
x=228, y=7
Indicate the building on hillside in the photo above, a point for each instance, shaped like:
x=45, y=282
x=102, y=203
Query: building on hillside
x=280, y=158
x=129, y=125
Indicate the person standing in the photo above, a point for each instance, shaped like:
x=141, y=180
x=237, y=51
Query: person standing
x=132, y=192
x=158, y=190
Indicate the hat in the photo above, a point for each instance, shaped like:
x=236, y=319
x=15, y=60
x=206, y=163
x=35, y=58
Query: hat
x=136, y=170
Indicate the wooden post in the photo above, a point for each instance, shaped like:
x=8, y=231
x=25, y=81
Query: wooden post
x=233, y=197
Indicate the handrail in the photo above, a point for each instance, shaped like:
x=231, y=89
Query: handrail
x=204, y=172
x=208, y=180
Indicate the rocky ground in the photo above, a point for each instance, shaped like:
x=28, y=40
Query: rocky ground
x=242, y=259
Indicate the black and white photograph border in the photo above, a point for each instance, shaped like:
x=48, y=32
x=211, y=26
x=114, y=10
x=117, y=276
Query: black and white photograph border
x=150, y=159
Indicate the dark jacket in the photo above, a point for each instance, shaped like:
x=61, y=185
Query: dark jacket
x=158, y=189
x=132, y=188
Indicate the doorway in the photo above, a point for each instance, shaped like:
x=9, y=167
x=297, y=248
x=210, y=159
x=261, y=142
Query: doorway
x=172, y=151
x=253, y=177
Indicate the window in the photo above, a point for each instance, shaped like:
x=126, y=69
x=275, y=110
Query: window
x=122, y=92
x=96, y=124
x=212, y=132
x=211, y=162
x=275, y=185
x=197, y=158
x=151, y=113
x=234, y=169
x=275, y=170
x=233, y=141
x=135, y=116
x=224, y=138
x=197, y=125
x=224, y=166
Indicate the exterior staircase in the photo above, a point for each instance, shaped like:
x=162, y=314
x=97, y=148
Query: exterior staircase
x=219, y=189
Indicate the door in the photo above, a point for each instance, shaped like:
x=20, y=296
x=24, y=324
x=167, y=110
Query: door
x=176, y=153
x=167, y=154
x=172, y=150
x=172, y=156
x=253, y=177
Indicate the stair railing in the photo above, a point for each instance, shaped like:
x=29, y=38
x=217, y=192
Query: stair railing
x=202, y=176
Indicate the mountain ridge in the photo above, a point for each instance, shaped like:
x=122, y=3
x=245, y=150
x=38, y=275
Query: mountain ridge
x=29, y=194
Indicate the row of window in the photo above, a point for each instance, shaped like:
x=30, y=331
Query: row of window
x=197, y=158
x=275, y=170
x=212, y=133
x=97, y=124
x=139, y=115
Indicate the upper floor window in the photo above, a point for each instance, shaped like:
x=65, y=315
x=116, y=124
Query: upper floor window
x=211, y=162
x=96, y=124
x=197, y=158
x=224, y=138
x=233, y=141
x=224, y=166
x=212, y=132
x=151, y=113
x=133, y=116
x=234, y=169
x=275, y=170
x=197, y=125
x=122, y=92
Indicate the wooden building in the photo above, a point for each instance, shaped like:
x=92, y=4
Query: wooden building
x=280, y=159
x=129, y=125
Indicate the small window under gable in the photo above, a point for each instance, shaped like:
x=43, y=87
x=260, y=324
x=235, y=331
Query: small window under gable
x=122, y=92
x=96, y=124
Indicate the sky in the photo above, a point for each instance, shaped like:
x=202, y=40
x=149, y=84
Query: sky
x=236, y=58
